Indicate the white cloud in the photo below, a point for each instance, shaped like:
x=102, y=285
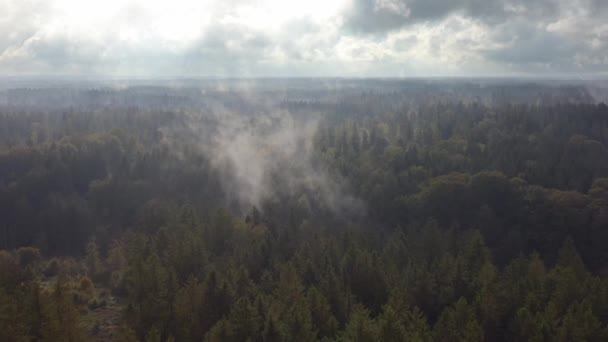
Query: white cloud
x=148, y=38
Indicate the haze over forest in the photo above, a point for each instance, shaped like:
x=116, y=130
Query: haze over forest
x=353, y=170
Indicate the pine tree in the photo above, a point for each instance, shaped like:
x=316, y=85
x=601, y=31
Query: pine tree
x=62, y=321
x=188, y=308
x=458, y=323
x=569, y=257
x=360, y=327
x=92, y=259
x=244, y=320
x=322, y=318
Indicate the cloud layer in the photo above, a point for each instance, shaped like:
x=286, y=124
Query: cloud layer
x=186, y=38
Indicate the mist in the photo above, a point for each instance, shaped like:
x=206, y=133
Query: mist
x=265, y=154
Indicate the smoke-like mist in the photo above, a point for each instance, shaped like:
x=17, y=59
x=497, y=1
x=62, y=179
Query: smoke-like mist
x=251, y=149
x=265, y=155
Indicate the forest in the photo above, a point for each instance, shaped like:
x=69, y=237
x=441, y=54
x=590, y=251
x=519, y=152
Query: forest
x=304, y=210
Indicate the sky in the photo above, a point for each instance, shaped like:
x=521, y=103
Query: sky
x=306, y=38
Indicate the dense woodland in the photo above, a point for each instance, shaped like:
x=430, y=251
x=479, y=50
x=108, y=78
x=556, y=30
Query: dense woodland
x=438, y=212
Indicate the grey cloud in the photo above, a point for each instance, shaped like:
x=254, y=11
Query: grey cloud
x=230, y=50
x=405, y=44
x=25, y=47
x=366, y=16
x=533, y=47
x=62, y=52
x=525, y=44
x=597, y=7
x=18, y=24
x=544, y=36
x=227, y=51
x=370, y=38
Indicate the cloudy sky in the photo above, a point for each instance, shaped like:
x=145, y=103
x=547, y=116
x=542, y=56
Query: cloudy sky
x=238, y=38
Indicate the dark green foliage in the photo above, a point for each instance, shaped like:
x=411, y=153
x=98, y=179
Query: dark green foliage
x=454, y=293
x=449, y=222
